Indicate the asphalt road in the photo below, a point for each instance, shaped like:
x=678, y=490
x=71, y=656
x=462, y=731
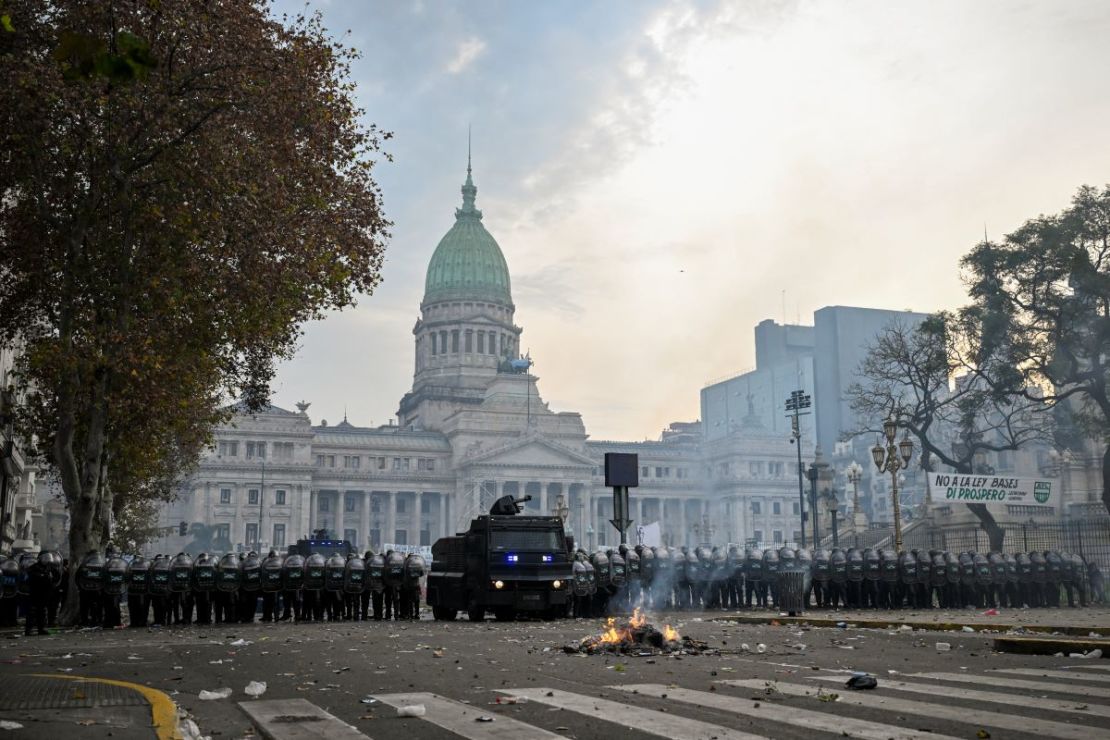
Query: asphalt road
x=359, y=672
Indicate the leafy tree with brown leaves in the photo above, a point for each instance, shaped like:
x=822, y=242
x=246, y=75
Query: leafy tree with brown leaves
x=1044, y=293
x=182, y=186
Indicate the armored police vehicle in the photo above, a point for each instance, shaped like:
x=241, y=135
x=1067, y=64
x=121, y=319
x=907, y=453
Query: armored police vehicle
x=505, y=563
x=323, y=544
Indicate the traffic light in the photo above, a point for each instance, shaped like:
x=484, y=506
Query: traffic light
x=182, y=529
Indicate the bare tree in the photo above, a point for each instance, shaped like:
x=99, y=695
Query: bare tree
x=934, y=379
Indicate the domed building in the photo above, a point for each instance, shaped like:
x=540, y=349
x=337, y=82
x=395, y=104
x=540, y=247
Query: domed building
x=472, y=428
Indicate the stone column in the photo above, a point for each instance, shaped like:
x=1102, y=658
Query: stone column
x=543, y=499
x=364, y=523
x=313, y=508
x=340, y=513
x=417, y=517
x=390, y=519
x=444, y=529
x=238, y=530
x=681, y=522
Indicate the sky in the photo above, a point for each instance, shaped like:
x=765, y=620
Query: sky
x=663, y=175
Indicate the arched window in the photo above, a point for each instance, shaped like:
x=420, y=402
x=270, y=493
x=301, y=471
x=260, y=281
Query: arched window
x=432, y=340
x=443, y=342
x=455, y=340
x=481, y=342
x=469, y=341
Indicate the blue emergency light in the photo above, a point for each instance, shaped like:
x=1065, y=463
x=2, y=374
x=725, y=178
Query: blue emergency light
x=512, y=558
x=548, y=558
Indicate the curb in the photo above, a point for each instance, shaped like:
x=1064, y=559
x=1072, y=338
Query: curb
x=163, y=710
x=1049, y=645
x=918, y=625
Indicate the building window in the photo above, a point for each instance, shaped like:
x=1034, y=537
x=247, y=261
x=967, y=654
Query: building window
x=757, y=535
x=455, y=340
x=375, y=504
x=400, y=505
x=279, y=498
x=396, y=463
x=352, y=461
x=443, y=342
x=319, y=461
x=223, y=532
x=401, y=537
x=325, y=503
x=331, y=461
x=425, y=538
x=756, y=508
x=252, y=497
x=425, y=506
x=797, y=510
x=404, y=463
x=228, y=449
x=349, y=503
x=432, y=339
x=252, y=534
x=645, y=472
x=481, y=342
x=776, y=508
x=225, y=495
x=283, y=450
x=375, y=538
x=256, y=450
x=279, y=535
x=351, y=535
x=797, y=535
x=469, y=341
x=658, y=472
x=777, y=536
x=381, y=463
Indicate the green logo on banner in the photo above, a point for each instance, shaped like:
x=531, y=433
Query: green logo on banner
x=1041, y=491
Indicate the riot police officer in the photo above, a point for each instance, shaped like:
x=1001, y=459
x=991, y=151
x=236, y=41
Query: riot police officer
x=415, y=568
x=160, y=576
x=393, y=576
x=271, y=577
x=292, y=579
x=40, y=582
x=375, y=582
x=354, y=584
x=90, y=582
x=138, y=599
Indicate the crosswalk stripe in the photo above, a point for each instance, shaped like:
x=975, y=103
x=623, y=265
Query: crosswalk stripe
x=1046, y=728
x=647, y=721
x=819, y=721
x=461, y=719
x=992, y=697
x=297, y=719
x=1065, y=675
x=1014, y=683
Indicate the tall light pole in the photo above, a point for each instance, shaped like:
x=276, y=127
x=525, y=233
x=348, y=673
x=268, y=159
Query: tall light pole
x=561, y=510
x=261, y=496
x=795, y=406
x=891, y=459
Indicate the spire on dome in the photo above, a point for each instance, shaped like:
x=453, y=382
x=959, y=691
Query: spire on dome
x=469, y=191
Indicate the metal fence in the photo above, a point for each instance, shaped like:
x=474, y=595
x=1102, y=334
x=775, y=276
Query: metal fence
x=1089, y=538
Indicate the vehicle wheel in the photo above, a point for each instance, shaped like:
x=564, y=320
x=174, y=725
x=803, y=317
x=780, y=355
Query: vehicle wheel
x=504, y=613
x=443, y=613
x=476, y=613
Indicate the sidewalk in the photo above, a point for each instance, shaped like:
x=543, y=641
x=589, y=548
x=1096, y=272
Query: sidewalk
x=81, y=706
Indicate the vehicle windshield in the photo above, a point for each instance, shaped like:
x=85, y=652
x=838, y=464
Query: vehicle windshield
x=529, y=540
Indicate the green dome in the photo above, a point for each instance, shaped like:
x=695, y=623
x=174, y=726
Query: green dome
x=468, y=264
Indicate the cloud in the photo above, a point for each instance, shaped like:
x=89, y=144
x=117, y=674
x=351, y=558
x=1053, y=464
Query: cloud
x=467, y=51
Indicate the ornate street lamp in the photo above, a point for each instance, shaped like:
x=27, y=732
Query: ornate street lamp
x=561, y=510
x=855, y=475
x=891, y=459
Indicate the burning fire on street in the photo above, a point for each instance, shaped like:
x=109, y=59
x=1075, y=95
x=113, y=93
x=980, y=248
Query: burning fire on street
x=636, y=636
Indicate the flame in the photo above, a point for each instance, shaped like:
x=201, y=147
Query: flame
x=669, y=634
x=638, y=620
x=612, y=635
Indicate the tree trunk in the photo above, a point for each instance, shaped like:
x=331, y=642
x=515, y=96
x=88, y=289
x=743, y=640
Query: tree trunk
x=84, y=537
x=1106, y=477
x=995, y=533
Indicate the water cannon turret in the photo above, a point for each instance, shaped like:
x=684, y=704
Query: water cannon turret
x=508, y=506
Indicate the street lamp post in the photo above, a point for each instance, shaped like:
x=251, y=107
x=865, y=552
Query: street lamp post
x=891, y=459
x=813, y=472
x=561, y=510
x=855, y=475
x=795, y=405
x=590, y=536
x=834, y=507
x=704, y=531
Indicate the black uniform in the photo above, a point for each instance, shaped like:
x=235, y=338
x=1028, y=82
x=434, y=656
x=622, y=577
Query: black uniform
x=40, y=584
